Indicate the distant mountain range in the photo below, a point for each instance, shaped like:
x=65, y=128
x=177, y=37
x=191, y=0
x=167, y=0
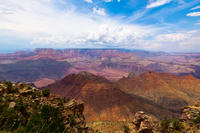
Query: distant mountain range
x=44, y=66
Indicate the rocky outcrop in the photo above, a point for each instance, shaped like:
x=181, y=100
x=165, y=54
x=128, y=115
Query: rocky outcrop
x=191, y=117
x=190, y=113
x=74, y=110
x=145, y=123
x=189, y=122
x=11, y=95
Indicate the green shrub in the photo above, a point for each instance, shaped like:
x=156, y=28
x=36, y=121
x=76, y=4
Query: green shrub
x=46, y=93
x=29, y=88
x=61, y=102
x=10, y=88
x=177, y=125
x=71, y=120
x=196, y=120
x=10, y=120
x=67, y=100
x=165, y=125
x=48, y=121
x=36, y=94
x=21, y=107
x=9, y=84
x=126, y=129
x=20, y=129
x=34, y=124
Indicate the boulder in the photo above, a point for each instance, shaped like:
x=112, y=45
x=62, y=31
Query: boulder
x=26, y=91
x=145, y=123
x=12, y=104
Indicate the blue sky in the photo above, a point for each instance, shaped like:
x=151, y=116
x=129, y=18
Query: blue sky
x=154, y=25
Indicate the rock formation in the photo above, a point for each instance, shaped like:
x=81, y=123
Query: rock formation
x=145, y=123
x=189, y=122
x=24, y=99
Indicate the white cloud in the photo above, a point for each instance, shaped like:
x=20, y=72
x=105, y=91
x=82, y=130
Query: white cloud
x=99, y=11
x=111, y=0
x=89, y=1
x=197, y=7
x=194, y=14
x=107, y=0
x=46, y=25
x=186, y=41
x=173, y=37
x=156, y=3
x=5, y=12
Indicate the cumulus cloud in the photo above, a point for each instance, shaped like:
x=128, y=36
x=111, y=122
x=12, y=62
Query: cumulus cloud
x=109, y=33
x=46, y=25
x=99, y=11
x=193, y=14
x=156, y=3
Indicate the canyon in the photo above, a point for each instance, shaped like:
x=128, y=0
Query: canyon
x=112, y=64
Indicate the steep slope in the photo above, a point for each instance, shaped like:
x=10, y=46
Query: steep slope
x=103, y=100
x=169, y=91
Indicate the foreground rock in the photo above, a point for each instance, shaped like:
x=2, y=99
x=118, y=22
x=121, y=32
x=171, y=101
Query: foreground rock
x=145, y=123
x=22, y=104
x=190, y=113
x=191, y=118
x=189, y=122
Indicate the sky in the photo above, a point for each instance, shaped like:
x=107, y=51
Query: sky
x=153, y=25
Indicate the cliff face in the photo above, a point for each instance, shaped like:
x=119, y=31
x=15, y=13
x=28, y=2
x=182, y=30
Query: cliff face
x=25, y=108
